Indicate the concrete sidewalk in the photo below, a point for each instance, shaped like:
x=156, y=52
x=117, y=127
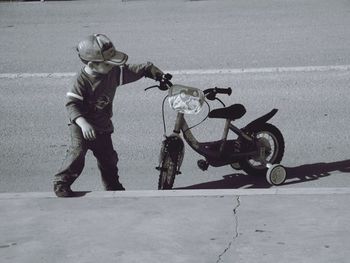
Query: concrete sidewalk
x=267, y=225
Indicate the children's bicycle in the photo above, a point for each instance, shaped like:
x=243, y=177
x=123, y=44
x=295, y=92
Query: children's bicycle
x=257, y=150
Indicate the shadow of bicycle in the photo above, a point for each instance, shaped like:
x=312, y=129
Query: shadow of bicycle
x=295, y=175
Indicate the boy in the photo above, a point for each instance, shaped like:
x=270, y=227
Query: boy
x=89, y=106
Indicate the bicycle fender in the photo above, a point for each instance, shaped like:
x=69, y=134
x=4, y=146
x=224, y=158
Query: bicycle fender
x=260, y=121
x=173, y=145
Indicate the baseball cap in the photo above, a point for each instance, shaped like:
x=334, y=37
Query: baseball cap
x=99, y=48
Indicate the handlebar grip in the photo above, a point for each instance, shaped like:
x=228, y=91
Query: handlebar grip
x=227, y=91
x=168, y=76
x=164, y=82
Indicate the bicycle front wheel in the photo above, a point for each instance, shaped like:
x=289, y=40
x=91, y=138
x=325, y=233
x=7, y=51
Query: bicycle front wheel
x=167, y=173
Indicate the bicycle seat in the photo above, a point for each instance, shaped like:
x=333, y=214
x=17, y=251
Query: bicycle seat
x=232, y=112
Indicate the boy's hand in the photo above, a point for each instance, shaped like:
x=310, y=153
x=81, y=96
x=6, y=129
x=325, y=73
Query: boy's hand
x=154, y=73
x=88, y=132
x=86, y=128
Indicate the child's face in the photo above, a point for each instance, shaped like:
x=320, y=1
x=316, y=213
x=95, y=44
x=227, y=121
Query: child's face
x=101, y=67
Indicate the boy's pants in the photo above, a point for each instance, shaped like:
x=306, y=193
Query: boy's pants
x=102, y=148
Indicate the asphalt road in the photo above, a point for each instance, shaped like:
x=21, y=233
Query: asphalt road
x=178, y=35
x=313, y=117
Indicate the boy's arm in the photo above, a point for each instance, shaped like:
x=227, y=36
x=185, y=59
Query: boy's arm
x=133, y=72
x=86, y=128
x=75, y=100
x=76, y=111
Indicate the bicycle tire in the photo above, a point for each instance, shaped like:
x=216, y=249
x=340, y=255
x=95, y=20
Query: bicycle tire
x=276, y=155
x=167, y=173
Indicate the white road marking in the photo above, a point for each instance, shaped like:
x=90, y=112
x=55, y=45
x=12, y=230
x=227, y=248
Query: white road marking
x=263, y=70
x=36, y=75
x=196, y=71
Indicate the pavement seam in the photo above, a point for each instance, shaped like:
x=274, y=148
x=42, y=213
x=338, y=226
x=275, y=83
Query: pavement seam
x=235, y=234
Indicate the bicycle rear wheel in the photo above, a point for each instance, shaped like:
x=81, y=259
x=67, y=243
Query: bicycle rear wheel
x=271, y=138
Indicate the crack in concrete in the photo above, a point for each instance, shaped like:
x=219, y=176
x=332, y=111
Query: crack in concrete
x=235, y=235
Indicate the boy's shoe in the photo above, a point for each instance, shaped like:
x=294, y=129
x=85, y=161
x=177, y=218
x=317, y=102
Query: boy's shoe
x=62, y=190
x=117, y=187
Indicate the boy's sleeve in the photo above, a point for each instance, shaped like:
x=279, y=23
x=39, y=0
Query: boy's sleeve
x=75, y=100
x=133, y=72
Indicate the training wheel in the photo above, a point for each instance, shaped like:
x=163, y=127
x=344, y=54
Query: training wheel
x=276, y=174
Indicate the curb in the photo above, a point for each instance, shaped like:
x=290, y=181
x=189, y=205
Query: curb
x=184, y=193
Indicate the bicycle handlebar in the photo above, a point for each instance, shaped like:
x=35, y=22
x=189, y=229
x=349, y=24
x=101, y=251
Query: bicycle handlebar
x=164, y=82
x=227, y=91
x=210, y=94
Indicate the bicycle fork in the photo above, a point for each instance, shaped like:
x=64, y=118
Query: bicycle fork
x=174, y=147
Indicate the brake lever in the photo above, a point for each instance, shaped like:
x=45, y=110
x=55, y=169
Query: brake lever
x=164, y=84
x=152, y=87
x=223, y=104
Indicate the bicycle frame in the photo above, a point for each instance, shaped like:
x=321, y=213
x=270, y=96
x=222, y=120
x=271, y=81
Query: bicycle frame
x=204, y=148
x=214, y=151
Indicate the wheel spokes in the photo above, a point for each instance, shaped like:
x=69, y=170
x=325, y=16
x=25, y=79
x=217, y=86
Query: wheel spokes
x=267, y=140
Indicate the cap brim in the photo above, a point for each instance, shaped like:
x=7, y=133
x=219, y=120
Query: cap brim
x=119, y=58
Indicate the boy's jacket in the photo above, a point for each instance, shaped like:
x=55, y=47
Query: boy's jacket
x=92, y=96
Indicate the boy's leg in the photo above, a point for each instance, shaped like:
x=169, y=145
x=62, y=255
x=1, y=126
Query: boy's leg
x=73, y=164
x=107, y=160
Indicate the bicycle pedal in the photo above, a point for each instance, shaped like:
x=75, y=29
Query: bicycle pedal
x=203, y=164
